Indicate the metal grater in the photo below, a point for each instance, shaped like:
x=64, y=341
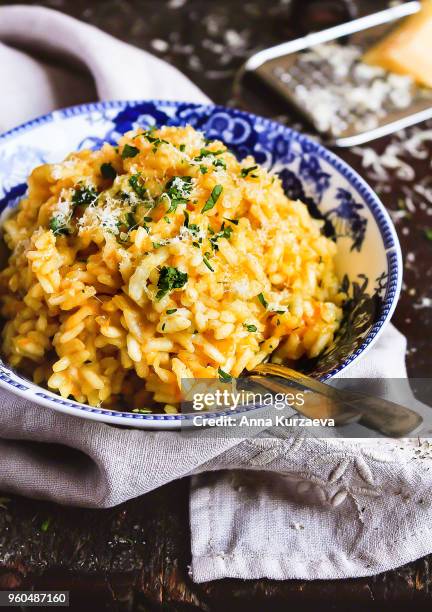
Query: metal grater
x=297, y=71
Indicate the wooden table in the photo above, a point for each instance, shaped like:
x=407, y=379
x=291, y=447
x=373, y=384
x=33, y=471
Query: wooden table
x=135, y=556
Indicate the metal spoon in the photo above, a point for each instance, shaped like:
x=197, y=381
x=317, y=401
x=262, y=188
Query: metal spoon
x=344, y=406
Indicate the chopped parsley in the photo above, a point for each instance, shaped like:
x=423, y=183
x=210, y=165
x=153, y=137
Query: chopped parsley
x=207, y=263
x=123, y=196
x=58, y=226
x=155, y=141
x=234, y=221
x=182, y=148
x=170, y=278
x=178, y=190
x=214, y=196
x=148, y=219
x=263, y=300
x=108, y=171
x=206, y=153
x=250, y=328
x=130, y=221
x=45, y=525
x=225, y=232
x=135, y=182
x=223, y=376
x=186, y=216
x=219, y=163
x=171, y=310
x=129, y=151
x=246, y=171
x=84, y=196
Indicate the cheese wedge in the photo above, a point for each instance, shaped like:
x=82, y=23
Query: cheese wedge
x=408, y=49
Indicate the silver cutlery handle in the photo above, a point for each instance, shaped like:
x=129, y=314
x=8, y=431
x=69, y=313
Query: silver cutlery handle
x=379, y=414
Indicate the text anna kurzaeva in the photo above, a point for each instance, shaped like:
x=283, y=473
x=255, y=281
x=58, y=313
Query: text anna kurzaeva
x=207, y=401
x=278, y=420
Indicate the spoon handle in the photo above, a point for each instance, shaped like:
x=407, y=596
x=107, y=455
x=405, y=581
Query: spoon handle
x=379, y=414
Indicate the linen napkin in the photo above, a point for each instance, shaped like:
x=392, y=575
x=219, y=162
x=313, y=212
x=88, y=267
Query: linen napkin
x=282, y=507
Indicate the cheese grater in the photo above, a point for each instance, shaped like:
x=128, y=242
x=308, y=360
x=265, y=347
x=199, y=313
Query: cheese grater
x=348, y=102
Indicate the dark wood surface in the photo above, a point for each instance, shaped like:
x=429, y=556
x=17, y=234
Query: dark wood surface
x=136, y=556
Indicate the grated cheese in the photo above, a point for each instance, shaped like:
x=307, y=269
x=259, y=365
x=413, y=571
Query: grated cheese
x=396, y=155
x=338, y=90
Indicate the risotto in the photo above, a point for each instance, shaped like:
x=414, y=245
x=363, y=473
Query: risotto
x=164, y=258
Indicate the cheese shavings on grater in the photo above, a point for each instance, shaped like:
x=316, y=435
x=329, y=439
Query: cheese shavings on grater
x=338, y=92
x=346, y=100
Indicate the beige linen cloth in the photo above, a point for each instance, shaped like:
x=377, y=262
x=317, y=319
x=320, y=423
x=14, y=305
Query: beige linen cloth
x=277, y=507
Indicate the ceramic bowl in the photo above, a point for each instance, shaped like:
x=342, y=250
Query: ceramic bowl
x=368, y=260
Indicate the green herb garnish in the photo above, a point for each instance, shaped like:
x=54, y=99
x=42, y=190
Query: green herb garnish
x=217, y=163
x=155, y=141
x=178, y=189
x=129, y=151
x=214, y=196
x=234, y=221
x=171, y=310
x=186, y=216
x=136, y=183
x=250, y=328
x=262, y=300
x=182, y=147
x=170, y=278
x=225, y=232
x=58, y=226
x=45, y=525
x=108, y=171
x=245, y=171
x=84, y=196
x=130, y=221
x=207, y=263
x=223, y=376
x=206, y=152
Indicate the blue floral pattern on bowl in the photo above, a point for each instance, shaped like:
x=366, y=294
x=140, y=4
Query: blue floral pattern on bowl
x=368, y=260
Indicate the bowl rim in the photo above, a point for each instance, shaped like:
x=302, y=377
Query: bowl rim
x=169, y=421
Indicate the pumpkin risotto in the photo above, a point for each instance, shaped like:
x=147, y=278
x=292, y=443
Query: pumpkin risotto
x=164, y=258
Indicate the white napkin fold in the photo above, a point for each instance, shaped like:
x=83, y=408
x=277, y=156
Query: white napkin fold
x=80, y=64
x=287, y=508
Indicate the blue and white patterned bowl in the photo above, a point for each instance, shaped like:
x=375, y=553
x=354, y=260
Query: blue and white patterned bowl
x=368, y=260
